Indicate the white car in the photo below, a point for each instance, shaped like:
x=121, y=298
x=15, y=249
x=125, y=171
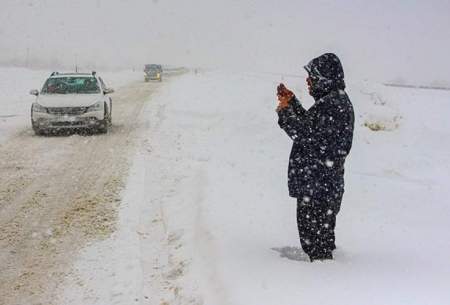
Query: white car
x=75, y=100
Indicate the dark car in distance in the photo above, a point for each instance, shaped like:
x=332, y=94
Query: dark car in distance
x=153, y=72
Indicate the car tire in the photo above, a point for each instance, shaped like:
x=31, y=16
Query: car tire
x=39, y=132
x=110, y=115
x=103, y=128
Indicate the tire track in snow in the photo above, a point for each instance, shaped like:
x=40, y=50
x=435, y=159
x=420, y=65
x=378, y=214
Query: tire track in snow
x=56, y=195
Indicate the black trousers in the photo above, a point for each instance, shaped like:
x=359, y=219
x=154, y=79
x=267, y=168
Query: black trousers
x=316, y=220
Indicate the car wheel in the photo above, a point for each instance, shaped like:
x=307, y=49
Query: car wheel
x=38, y=132
x=103, y=128
x=104, y=123
x=110, y=115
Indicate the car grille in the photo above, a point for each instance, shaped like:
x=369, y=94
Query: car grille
x=66, y=124
x=67, y=110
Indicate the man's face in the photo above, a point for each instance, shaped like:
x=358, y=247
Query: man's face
x=309, y=82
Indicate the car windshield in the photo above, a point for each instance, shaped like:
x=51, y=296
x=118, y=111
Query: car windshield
x=71, y=84
x=152, y=67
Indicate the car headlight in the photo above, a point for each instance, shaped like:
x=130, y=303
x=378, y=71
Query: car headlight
x=39, y=108
x=96, y=107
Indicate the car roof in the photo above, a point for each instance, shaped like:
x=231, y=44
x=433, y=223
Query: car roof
x=56, y=75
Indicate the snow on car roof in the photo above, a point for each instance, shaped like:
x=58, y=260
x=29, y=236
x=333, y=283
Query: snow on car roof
x=56, y=75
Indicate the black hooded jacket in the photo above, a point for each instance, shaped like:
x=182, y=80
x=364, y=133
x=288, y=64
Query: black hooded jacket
x=322, y=135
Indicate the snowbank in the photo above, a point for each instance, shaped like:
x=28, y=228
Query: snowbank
x=215, y=223
x=227, y=157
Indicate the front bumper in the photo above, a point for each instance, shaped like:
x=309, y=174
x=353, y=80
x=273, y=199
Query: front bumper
x=153, y=77
x=52, y=121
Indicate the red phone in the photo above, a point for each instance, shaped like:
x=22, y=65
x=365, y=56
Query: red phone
x=282, y=90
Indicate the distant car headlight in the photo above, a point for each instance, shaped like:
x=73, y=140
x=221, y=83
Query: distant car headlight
x=96, y=107
x=39, y=108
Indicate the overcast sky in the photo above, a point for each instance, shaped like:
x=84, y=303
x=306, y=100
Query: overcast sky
x=380, y=40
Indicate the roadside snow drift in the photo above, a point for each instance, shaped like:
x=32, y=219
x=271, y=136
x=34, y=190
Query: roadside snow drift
x=211, y=221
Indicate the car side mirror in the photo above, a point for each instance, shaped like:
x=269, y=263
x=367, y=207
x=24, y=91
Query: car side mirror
x=108, y=91
x=34, y=92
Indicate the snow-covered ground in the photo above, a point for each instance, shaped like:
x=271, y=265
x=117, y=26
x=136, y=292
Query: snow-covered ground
x=206, y=218
x=15, y=100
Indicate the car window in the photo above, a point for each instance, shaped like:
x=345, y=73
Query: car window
x=152, y=68
x=70, y=85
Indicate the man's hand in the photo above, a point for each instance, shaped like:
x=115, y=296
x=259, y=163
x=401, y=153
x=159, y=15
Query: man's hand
x=284, y=96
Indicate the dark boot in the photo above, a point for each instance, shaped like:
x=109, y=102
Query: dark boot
x=322, y=257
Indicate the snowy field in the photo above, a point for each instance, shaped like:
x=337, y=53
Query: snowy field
x=206, y=219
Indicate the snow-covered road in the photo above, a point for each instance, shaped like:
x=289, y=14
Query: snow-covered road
x=57, y=193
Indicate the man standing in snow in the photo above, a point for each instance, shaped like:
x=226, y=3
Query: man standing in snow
x=322, y=138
